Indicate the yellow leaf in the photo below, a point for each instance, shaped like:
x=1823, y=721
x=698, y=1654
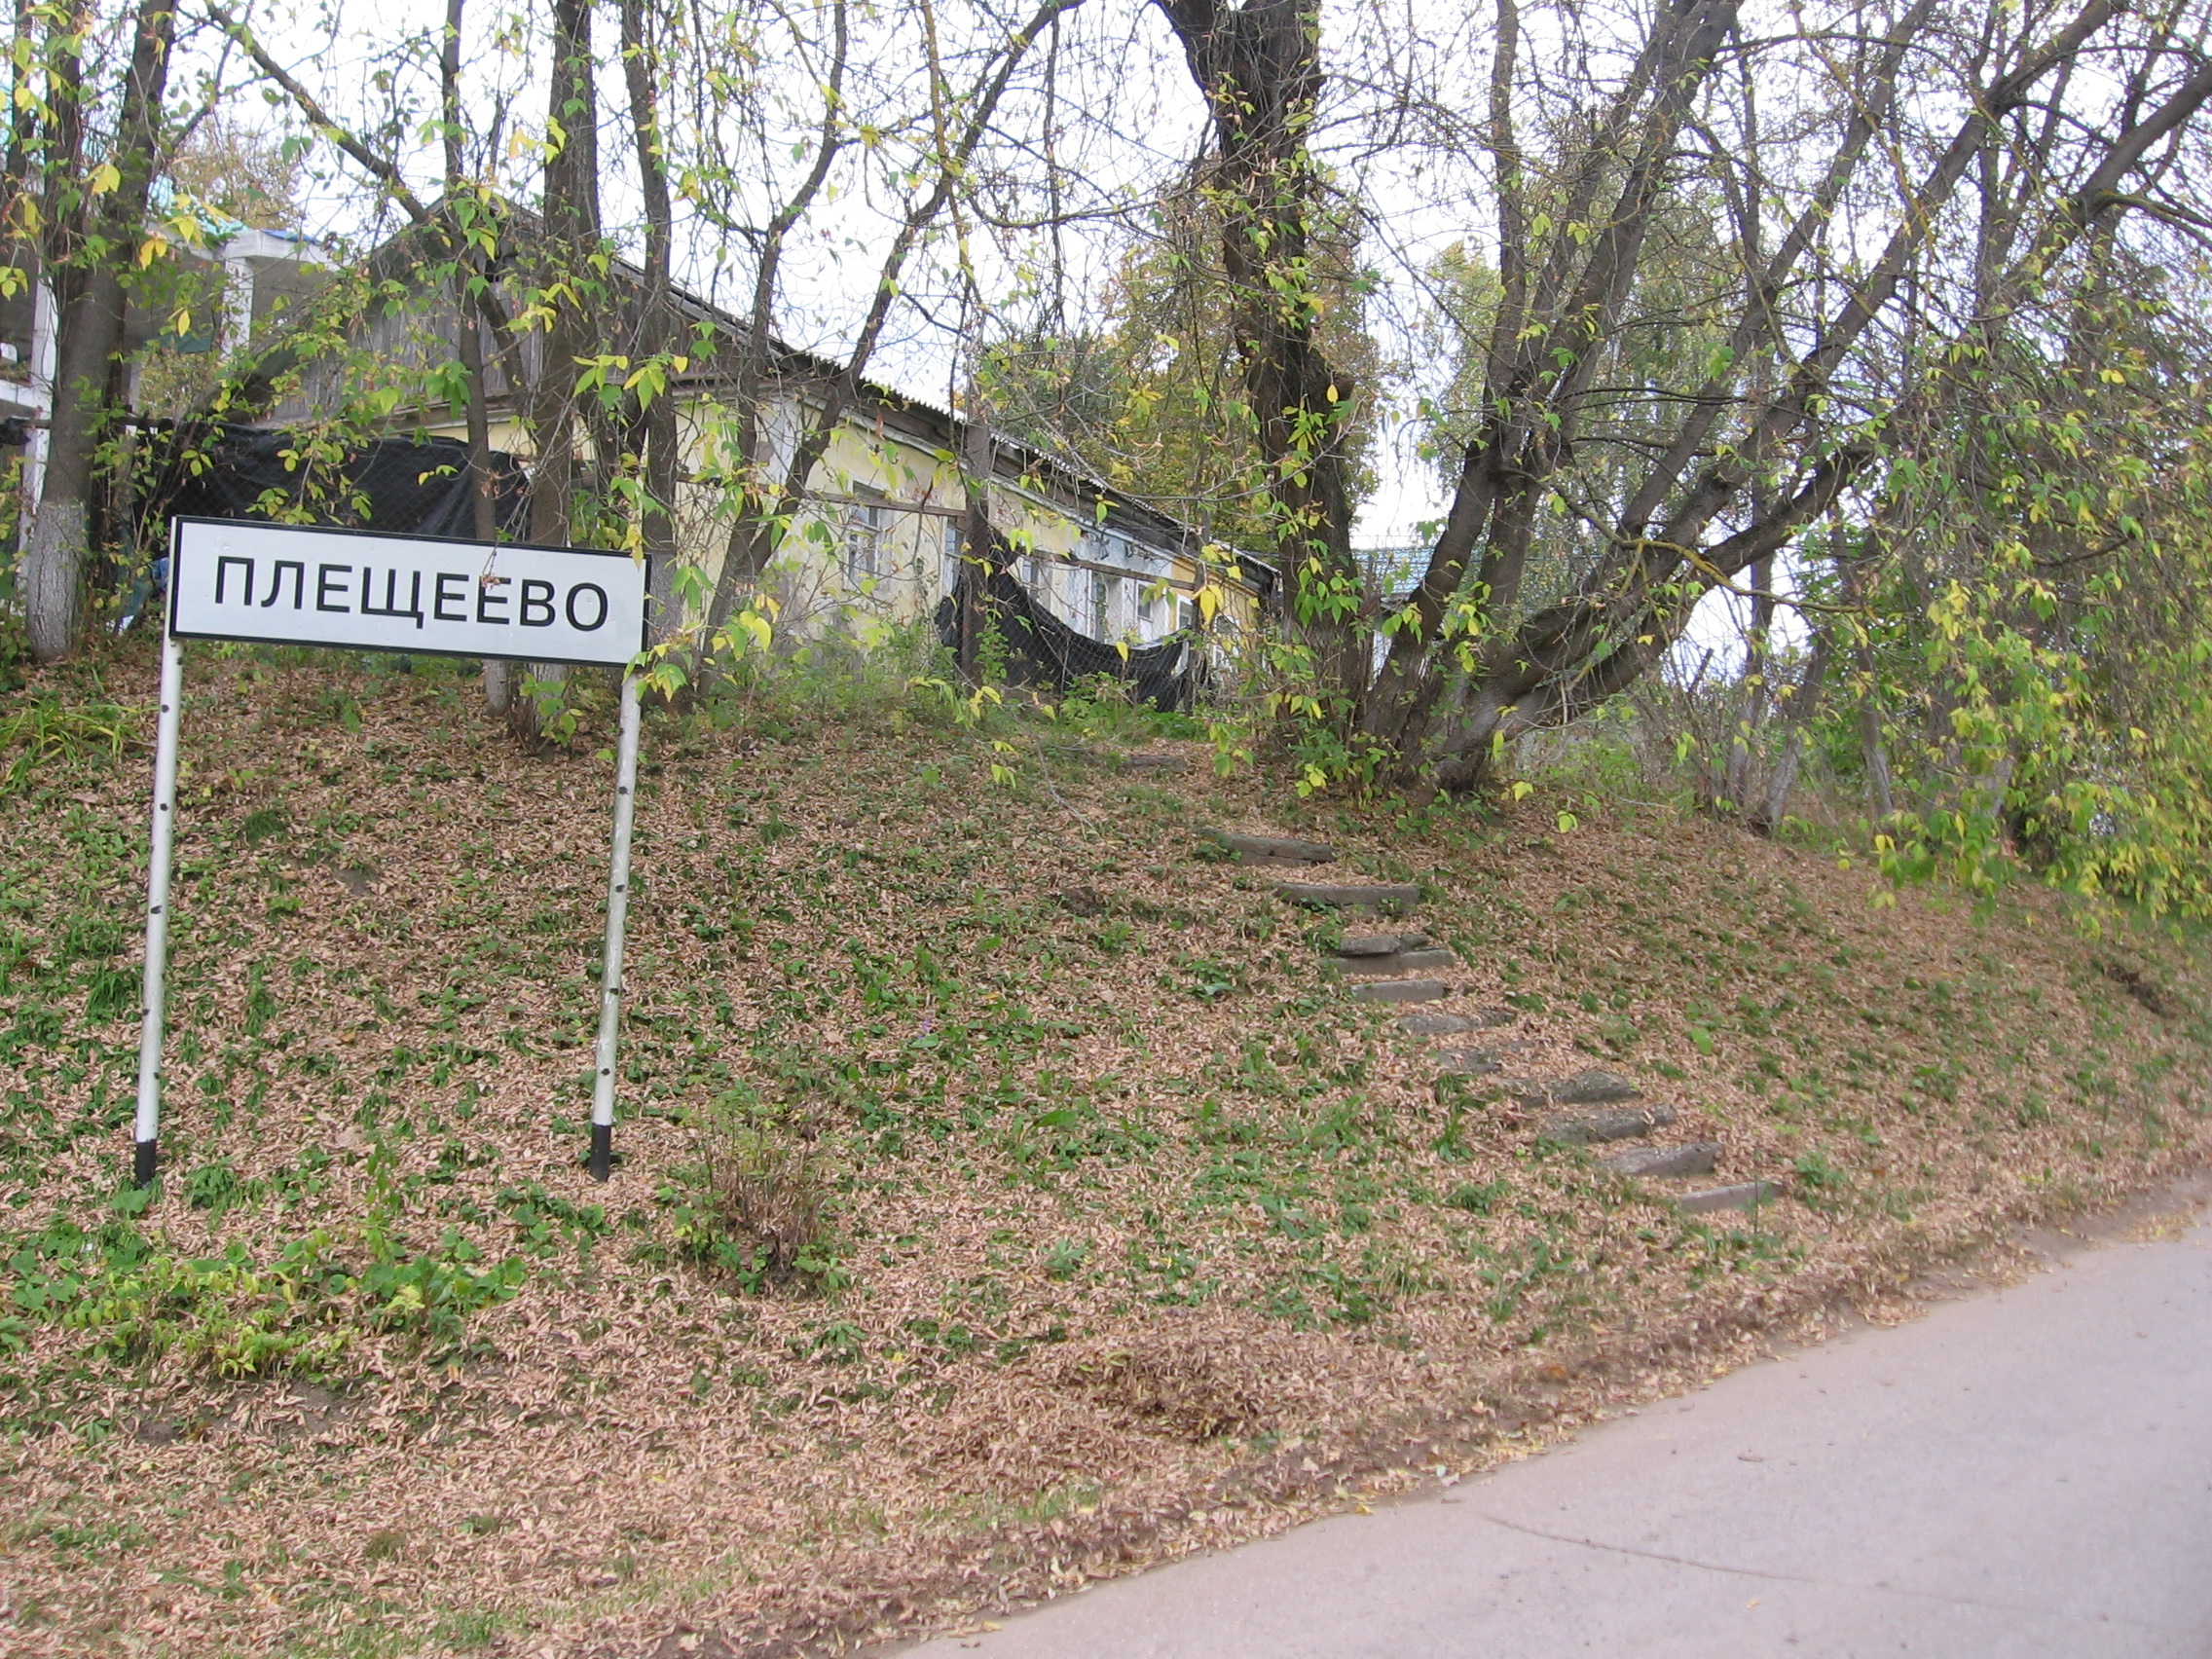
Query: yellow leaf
x=105, y=178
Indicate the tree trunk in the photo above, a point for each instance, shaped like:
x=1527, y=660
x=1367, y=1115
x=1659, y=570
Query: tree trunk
x=89, y=335
x=1743, y=748
x=571, y=233
x=468, y=338
x=538, y=689
x=498, y=672
x=977, y=467
x=1259, y=66
x=1801, y=708
x=1878, y=761
x=662, y=439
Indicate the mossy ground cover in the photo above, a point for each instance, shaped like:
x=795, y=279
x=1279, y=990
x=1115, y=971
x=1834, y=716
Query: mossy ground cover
x=1128, y=1233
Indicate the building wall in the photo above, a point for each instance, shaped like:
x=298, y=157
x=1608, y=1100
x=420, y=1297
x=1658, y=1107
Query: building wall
x=841, y=566
x=847, y=569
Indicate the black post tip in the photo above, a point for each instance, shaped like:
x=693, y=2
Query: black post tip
x=145, y=1155
x=602, y=1150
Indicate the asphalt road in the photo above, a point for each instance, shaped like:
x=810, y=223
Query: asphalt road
x=2022, y=1473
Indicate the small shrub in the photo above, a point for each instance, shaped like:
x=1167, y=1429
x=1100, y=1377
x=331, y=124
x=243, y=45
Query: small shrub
x=212, y=1186
x=1477, y=1198
x=1816, y=1175
x=298, y=1309
x=47, y=730
x=763, y=1215
x=111, y=993
x=1065, y=1259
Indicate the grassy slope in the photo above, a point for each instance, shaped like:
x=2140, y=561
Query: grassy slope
x=1152, y=1238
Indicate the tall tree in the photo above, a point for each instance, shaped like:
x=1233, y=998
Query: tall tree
x=1659, y=200
x=658, y=438
x=569, y=294
x=1150, y=394
x=93, y=214
x=471, y=214
x=1259, y=66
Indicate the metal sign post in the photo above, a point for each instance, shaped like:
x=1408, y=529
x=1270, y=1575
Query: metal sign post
x=617, y=910
x=427, y=596
x=146, y=1149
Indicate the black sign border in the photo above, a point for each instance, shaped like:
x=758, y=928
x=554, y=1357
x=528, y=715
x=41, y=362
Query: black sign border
x=177, y=542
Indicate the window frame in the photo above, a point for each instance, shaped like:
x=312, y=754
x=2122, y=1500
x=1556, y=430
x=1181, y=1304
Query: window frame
x=865, y=520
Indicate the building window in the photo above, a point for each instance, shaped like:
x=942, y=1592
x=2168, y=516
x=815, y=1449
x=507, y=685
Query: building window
x=953, y=543
x=1100, y=596
x=864, y=535
x=1187, y=616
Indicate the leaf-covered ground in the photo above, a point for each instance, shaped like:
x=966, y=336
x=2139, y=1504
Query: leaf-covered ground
x=1142, y=1236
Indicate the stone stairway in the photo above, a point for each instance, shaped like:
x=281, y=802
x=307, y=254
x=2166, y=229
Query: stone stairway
x=1595, y=1107
x=1270, y=849
x=1591, y=1107
x=1384, y=966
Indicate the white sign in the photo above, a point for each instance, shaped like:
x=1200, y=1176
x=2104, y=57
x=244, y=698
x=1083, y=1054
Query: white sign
x=288, y=585
x=284, y=584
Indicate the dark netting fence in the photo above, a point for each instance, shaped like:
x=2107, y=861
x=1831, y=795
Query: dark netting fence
x=406, y=486
x=1042, y=650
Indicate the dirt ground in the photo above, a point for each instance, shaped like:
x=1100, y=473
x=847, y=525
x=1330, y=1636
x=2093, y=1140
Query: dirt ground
x=1136, y=1235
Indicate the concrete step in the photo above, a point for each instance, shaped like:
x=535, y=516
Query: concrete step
x=1270, y=849
x=1401, y=963
x=1747, y=1194
x=1595, y=1087
x=1399, y=990
x=1439, y=1025
x=1397, y=896
x=1476, y=1062
x=1622, y=1122
x=1380, y=943
x=1152, y=760
x=1662, y=1162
